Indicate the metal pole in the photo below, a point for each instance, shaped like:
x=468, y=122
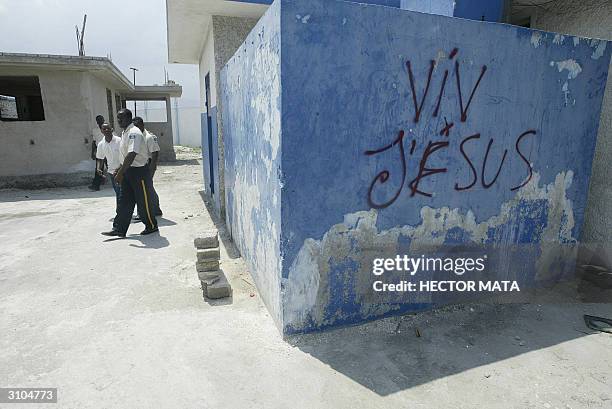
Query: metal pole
x=134, y=71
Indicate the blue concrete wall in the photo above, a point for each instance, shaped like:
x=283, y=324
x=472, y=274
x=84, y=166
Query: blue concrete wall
x=389, y=3
x=371, y=167
x=431, y=135
x=250, y=91
x=440, y=7
x=485, y=10
x=482, y=10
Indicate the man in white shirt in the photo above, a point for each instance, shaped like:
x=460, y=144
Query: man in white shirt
x=96, y=137
x=153, y=151
x=108, y=148
x=135, y=180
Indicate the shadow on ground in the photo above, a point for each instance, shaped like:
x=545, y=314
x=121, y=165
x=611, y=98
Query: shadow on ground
x=151, y=241
x=395, y=354
x=162, y=221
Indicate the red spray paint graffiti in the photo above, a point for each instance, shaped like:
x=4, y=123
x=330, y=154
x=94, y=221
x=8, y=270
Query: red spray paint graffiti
x=432, y=147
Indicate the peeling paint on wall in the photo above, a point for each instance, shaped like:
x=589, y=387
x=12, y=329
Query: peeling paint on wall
x=250, y=84
x=307, y=293
x=558, y=39
x=599, y=48
x=536, y=39
x=385, y=124
x=592, y=18
x=384, y=142
x=571, y=66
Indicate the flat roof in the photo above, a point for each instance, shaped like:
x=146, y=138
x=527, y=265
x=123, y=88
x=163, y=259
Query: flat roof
x=153, y=92
x=188, y=23
x=100, y=66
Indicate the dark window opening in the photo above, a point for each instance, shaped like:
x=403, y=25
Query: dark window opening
x=523, y=22
x=109, y=102
x=21, y=99
x=118, y=102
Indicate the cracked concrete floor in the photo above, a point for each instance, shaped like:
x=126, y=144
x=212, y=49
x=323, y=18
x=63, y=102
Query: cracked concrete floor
x=122, y=324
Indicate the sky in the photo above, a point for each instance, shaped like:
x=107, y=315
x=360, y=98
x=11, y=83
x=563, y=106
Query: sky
x=131, y=32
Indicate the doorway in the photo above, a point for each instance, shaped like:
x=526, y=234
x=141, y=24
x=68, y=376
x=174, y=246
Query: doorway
x=210, y=136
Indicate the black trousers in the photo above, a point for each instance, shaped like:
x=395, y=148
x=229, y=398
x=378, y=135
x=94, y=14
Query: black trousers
x=155, y=199
x=136, y=189
x=155, y=196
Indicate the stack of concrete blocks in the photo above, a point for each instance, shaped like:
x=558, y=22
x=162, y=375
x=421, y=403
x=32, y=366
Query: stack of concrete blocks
x=214, y=282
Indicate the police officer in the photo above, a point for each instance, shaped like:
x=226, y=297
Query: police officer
x=153, y=152
x=135, y=180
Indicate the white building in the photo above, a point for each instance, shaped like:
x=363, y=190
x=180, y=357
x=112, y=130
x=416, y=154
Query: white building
x=208, y=33
x=49, y=106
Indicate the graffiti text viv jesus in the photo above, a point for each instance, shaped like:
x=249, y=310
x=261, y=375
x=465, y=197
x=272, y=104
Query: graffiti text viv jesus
x=482, y=169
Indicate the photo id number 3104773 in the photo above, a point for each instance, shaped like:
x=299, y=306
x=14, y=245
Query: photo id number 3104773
x=28, y=395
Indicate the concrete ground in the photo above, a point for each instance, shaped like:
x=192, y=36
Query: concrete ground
x=122, y=324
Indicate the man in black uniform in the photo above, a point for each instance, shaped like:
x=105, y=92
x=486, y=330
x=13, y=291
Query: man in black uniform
x=153, y=152
x=135, y=179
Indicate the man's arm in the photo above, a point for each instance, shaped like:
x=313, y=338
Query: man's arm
x=100, y=166
x=125, y=166
x=154, y=159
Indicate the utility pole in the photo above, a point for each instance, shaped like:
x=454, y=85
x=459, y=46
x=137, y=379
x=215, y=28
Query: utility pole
x=134, y=71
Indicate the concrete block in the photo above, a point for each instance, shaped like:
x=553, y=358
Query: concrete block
x=214, y=290
x=209, y=281
x=209, y=239
x=209, y=265
x=208, y=254
x=209, y=275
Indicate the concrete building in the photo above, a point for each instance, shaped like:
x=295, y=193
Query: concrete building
x=47, y=122
x=347, y=132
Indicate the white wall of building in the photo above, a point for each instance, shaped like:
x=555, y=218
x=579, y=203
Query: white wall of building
x=60, y=145
x=207, y=66
x=62, y=142
x=94, y=94
x=187, y=126
x=185, y=123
